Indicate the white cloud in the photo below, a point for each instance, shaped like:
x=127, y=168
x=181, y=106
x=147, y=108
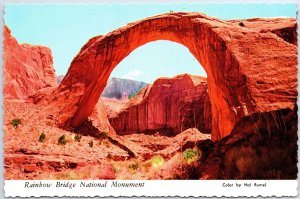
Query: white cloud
x=132, y=74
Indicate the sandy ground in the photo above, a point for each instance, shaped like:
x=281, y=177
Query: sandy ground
x=28, y=158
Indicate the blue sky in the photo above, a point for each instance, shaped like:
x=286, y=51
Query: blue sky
x=65, y=28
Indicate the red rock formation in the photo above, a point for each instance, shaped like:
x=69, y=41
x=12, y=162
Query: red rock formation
x=286, y=28
x=248, y=70
x=113, y=106
x=26, y=68
x=56, y=105
x=170, y=106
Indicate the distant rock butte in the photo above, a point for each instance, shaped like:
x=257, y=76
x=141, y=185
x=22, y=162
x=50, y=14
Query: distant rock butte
x=249, y=69
x=59, y=78
x=27, y=68
x=118, y=87
x=169, y=106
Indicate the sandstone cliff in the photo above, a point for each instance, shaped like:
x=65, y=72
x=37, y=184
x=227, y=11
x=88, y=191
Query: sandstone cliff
x=27, y=68
x=170, y=106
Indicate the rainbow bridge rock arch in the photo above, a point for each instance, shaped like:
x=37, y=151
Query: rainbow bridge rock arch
x=250, y=68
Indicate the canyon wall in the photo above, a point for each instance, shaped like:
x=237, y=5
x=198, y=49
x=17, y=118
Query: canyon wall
x=27, y=68
x=169, y=106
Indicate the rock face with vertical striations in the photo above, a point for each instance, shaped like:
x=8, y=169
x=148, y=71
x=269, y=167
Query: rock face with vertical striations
x=169, y=106
x=27, y=68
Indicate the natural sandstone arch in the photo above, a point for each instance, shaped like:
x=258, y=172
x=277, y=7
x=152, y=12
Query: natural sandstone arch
x=247, y=69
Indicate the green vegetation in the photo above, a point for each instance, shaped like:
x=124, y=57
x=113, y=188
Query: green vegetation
x=116, y=168
x=62, y=140
x=109, y=156
x=77, y=138
x=16, y=122
x=134, y=166
x=42, y=137
x=191, y=155
x=91, y=143
x=190, y=167
x=157, y=161
x=103, y=134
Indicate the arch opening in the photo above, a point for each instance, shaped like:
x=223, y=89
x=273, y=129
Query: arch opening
x=168, y=96
x=160, y=58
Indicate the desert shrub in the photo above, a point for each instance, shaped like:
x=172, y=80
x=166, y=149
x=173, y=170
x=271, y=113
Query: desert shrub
x=188, y=171
x=157, y=161
x=242, y=24
x=191, y=155
x=16, y=122
x=109, y=156
x=134, y=166
x=62, y=140
x=91, y=143
x=42, y=137
x=77, y=138
x=241, y=163
x=116, y=168
x=190, y=165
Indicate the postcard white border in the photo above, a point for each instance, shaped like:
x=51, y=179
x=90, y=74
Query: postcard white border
x=182, y=188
